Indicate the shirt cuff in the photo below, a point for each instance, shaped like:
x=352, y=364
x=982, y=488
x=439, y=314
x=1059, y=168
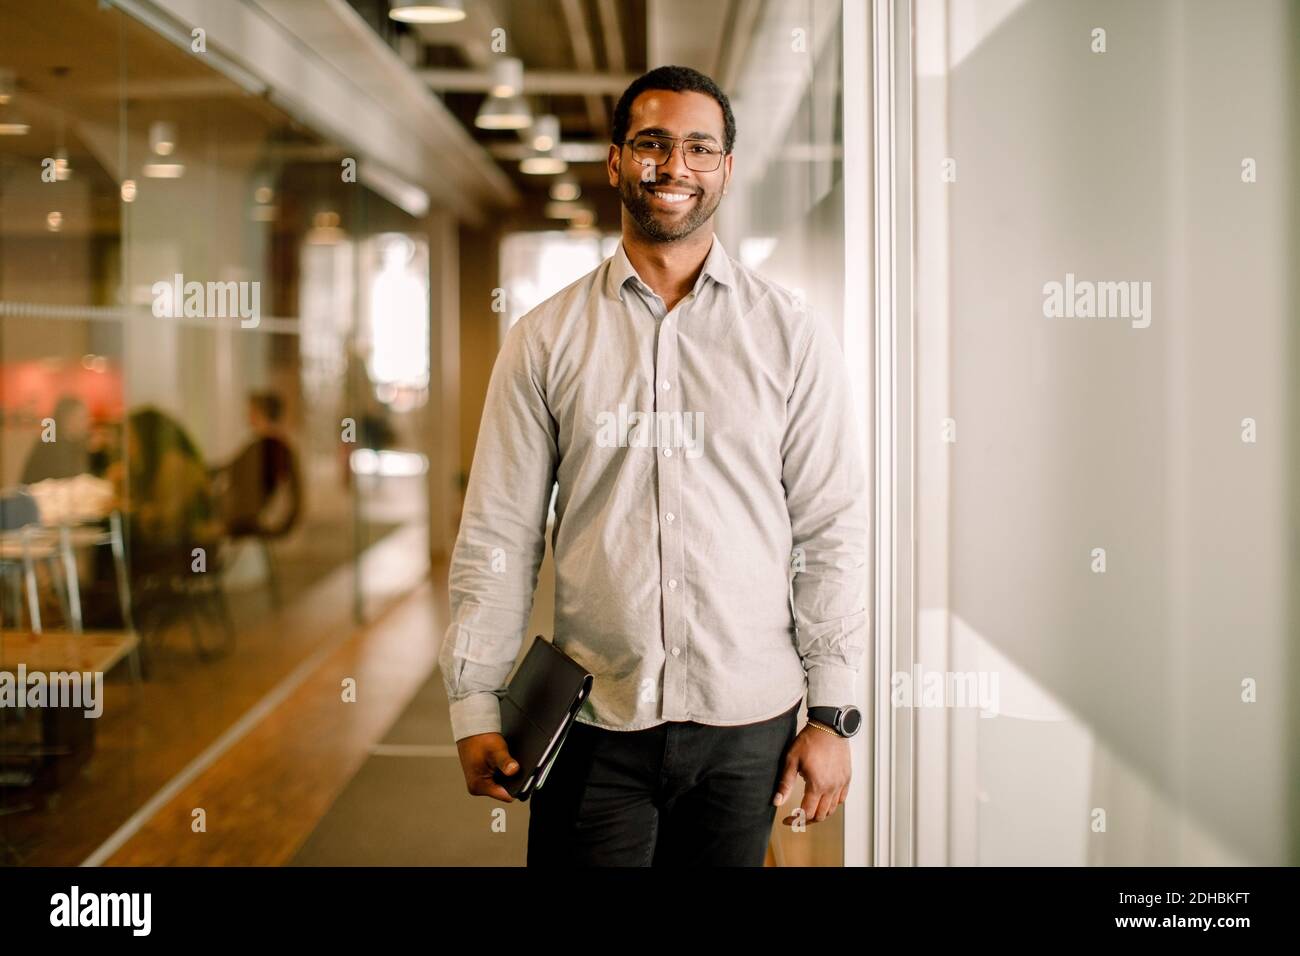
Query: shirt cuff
x=475, y=714
x=831, y=685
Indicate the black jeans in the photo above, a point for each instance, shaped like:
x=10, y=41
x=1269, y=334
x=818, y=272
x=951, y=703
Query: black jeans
x=679, y=794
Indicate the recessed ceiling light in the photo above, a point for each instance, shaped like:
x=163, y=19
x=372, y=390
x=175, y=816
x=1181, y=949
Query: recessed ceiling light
x=504, y=113
x=545, y=133
x=425, y=11
x=162, y=138
x=543, y=164
x=565, y=189
x=164, y=170
x=506, y=76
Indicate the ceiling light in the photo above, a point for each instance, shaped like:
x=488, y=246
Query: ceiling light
x=164, y=170
x=563, y=210
x=428, y=11
x=12, y=124
x=543, y=164
x=325, y=230
x=162, y=138
x=54, y=221
x=8, y=85
x=506, y=76
x=545, y=132
x=62, y=168
x=504, y=113
x=128, y=190
x=565, y=189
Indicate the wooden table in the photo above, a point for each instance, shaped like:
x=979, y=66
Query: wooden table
x=65, y=651
x=67, y=735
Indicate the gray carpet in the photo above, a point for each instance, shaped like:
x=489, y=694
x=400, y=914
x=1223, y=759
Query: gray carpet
x=413, y=810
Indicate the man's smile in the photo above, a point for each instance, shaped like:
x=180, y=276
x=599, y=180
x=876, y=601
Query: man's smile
x=670, y=196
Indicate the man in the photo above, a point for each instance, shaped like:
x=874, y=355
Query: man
x=697, y=421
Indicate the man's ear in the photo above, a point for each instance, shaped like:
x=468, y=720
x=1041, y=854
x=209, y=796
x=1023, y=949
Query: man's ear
x=613, y=163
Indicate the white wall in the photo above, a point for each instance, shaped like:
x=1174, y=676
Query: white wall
x=1075, y=434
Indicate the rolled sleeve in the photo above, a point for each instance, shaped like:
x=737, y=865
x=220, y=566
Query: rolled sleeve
x=501, y=542
x=825, y=486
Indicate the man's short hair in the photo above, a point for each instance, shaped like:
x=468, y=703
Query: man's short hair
x=676, y=79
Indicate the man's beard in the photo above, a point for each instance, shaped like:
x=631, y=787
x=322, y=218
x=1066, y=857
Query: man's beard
x=636, y=202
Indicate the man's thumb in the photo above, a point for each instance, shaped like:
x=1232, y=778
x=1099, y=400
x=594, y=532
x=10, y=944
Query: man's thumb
x=502, y=760
x=786, y=783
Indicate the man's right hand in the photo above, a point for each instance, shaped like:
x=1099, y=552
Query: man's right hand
x=479, y=756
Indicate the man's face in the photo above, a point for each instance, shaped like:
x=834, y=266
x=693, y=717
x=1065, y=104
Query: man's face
x=648, y=191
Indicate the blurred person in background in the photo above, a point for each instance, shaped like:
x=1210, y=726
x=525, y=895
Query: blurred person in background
x=260, y=489
x=76, y=449
x=163, y=486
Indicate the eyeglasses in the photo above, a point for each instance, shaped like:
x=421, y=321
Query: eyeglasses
x=700, y=155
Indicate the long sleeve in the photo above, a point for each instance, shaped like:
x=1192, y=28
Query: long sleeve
x=824, y=479
x=501, y=541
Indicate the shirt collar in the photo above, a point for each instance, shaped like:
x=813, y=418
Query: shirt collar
x=717, y=266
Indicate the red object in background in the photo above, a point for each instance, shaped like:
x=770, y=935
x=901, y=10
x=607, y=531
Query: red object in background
x=33, y=388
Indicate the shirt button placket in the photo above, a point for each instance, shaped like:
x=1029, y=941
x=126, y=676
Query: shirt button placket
x=670, y=463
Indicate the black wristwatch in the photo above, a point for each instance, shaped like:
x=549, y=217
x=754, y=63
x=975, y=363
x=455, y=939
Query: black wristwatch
x=845, y=721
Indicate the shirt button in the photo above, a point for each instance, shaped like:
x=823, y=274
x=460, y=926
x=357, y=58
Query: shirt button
x=665, y=385
x=669, y=517
x=672, y=584
x=668, y=453
x=677, y=652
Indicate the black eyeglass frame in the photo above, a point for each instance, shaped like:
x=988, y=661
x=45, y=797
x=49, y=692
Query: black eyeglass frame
x=676, y=141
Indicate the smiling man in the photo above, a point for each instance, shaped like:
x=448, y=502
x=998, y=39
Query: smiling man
x=708, y=593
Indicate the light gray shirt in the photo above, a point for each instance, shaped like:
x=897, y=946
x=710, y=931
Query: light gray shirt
x=711, y=518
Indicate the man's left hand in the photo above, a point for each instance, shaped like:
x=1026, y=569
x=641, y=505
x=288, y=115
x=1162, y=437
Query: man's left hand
x=822, y=758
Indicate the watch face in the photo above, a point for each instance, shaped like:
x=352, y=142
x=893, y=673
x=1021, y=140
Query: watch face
x=850, y=721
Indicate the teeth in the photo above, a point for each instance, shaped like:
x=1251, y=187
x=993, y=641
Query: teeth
x=672, y=197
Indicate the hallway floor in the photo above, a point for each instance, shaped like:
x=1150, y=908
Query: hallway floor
x=308, y=778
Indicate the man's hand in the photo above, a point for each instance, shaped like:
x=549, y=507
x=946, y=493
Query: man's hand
x=479, y=756
x=824, y=762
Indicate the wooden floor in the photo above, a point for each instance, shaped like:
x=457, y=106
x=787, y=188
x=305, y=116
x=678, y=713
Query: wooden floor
x=265, y=794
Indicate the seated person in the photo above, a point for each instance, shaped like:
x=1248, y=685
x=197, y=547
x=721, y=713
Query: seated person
x=163, y=486
x=74, y=451
x=260, y=489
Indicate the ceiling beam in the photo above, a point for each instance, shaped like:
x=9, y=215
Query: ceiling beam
x=613, y=32
x=535, y=81
x=569, y=152
x=584, y=57
x=473, y=35
x=734, y=41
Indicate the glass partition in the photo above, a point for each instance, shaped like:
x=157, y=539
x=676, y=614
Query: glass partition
x=211, y=383
x=1106, y=384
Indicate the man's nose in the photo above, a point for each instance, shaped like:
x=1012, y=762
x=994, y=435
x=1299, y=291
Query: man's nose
x=675, y=165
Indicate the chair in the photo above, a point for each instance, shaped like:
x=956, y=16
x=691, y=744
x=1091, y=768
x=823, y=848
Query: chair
x=21, y=544
x=273, y=512
x=25, y=540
